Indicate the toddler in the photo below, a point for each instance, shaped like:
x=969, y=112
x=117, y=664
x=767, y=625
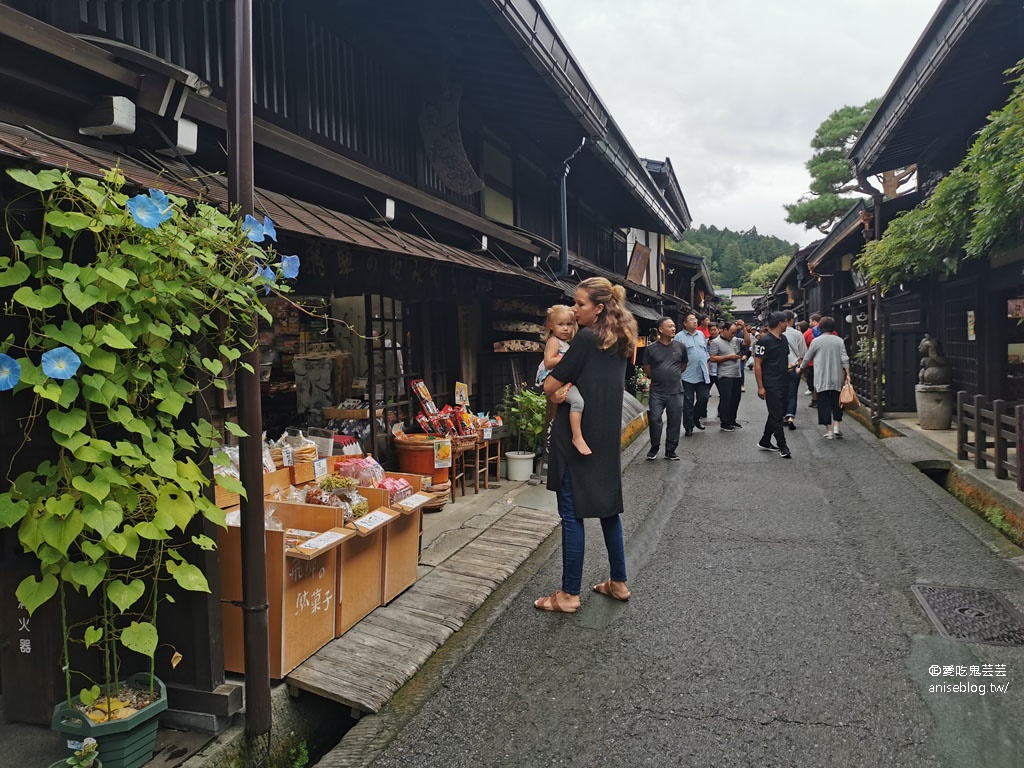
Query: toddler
x=561, y=325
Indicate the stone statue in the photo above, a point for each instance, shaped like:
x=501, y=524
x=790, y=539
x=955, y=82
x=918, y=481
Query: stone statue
x=934, y=368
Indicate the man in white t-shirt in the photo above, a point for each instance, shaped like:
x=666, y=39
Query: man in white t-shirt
x=797, y=350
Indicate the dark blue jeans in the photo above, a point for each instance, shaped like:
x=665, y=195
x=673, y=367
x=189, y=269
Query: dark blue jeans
x=791, y=393
x=695, y=402
x=573, y=541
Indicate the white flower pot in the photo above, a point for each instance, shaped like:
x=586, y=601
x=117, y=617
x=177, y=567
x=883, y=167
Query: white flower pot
x=520, y=465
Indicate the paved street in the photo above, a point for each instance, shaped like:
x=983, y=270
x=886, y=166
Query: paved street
x=772, y=624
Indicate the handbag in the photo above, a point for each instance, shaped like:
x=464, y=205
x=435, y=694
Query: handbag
x=848, y=396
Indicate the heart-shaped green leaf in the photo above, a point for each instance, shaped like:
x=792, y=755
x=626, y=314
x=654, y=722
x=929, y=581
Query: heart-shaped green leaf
x=42, y=181
x=79, y=298
x=88, y=696
x=141, y=637
x=112, y=337
x=125, y=594
x=82, y=574
x=61, y=533
x=66, y=422
x=16, y=274
x=191, y=578
x=118, y=276
x=98, y=489
x=11, y=511
x=69, y=333
x=93, y=635
x=67, y=271
x=177, y=505
x=103, y=519
x=71, y=442
x=45, y=297
x=60, y=506
x=50, y=390
x=101, y=360
x=32, y=593
x=93, y=551
x=213, y=366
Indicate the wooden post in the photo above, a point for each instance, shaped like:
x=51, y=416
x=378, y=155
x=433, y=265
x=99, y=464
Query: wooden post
x=961, y=425
x=998, y=411
x=979, y=432
x=1019, y=413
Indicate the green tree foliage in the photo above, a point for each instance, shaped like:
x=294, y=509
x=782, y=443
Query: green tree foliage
x=732, y=256
x=764, y=277
x=976, y=210
x=834, y=187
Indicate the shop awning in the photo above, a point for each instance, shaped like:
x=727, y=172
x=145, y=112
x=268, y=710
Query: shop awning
x=288, y=213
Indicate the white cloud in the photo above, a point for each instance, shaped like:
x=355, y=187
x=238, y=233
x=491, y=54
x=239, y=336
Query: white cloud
x=733, y=90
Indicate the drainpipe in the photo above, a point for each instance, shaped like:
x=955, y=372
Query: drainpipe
x=563, y=260
x=254, y=563
x=877, y=329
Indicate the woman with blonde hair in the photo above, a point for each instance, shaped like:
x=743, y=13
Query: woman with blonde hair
x=591, y=485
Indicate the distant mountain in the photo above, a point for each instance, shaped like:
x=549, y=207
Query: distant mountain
x=732, y=256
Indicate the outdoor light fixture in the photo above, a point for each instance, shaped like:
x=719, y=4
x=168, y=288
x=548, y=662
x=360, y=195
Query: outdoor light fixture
x=387, y=213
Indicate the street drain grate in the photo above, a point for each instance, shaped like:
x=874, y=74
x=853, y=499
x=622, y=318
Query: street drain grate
x=971, y=615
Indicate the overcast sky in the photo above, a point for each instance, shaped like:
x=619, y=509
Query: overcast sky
x=733, y=90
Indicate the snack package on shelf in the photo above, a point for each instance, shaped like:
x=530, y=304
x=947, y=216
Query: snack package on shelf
x=229, y=468
x=398, y=488
x=366, y=471
x=424, y=396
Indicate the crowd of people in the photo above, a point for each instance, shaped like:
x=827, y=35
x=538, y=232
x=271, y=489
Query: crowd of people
x=684, y=366
x=583, y=372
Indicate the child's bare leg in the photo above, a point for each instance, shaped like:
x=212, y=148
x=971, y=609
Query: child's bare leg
x=576, y=423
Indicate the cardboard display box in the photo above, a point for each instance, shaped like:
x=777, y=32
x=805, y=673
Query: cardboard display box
x=272, y=481
x=302, y=585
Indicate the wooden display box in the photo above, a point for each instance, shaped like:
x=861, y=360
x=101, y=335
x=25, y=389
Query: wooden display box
x=361, y=572
x=401, y=555
x=302, y=473
x=272, y=481
x=301, y=590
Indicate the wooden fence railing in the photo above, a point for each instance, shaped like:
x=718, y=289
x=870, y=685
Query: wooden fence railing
x=998, y=429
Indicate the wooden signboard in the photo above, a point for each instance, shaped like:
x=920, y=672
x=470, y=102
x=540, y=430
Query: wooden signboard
x=638, y=261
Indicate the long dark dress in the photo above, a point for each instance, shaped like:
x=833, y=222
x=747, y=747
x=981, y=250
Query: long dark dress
x=596, y=479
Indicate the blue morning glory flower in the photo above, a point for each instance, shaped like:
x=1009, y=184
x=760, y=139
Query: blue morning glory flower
x=159, y=197
x=148, y=211
x=268, y=275
x=253, y=229
x=60, y=363
x=268, y=228
x=10, y=372
x=290, y=266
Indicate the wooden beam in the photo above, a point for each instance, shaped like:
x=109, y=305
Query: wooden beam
x=211, y=111
x=54, y=42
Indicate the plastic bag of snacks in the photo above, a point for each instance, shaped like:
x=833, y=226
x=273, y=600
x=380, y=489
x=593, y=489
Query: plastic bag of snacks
x=367, y=472
x=398, y=488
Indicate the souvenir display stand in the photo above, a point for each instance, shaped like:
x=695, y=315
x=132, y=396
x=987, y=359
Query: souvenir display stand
x=301, y=587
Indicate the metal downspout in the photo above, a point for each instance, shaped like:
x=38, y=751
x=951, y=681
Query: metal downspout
x=563, y=253
x=238, y=49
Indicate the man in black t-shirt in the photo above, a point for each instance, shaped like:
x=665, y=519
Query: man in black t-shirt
x=771, y=369
x=664, y=361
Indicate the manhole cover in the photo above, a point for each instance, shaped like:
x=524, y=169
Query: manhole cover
x=971, y=615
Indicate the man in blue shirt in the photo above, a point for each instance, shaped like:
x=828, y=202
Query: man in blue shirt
x=696, y=376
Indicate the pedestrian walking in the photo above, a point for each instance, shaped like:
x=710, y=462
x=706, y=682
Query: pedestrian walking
x=797, y=350
x=696, y=377
x=810, y=335
x=831, y=370
x=726, y=352
x=664, y=361
x=591, y=486
x=771, y=368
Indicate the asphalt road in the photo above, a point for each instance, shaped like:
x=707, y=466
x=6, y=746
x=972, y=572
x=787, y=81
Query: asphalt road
x=772, y=624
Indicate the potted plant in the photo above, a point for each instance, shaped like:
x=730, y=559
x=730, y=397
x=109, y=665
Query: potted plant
x=527, y=412
x=86, y=757
x=122, y=313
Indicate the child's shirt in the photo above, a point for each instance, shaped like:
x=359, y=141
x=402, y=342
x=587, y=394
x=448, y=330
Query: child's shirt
x=542, y=372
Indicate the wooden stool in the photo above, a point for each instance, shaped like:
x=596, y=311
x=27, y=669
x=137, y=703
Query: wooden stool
x=492, y=456
x=458, y=470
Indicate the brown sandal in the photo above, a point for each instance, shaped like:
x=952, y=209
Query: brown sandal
x=558, y=602
x=608, y=588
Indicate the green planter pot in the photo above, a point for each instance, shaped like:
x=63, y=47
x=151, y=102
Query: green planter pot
x=124, y=743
